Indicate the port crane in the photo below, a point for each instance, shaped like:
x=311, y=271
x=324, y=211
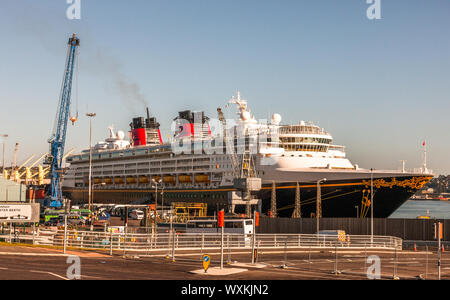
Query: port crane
x=58, y=138
x=245, y=178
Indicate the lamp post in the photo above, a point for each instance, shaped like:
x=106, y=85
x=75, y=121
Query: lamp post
x=319, y=204
x=90, y=115
x=3, y=136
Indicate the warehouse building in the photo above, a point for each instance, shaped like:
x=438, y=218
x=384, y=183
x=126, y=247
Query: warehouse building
x=11, y=191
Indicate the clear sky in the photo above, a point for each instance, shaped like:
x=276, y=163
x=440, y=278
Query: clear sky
x=380, y=87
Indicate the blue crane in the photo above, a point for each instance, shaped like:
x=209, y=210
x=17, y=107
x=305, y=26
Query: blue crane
x=58, y=138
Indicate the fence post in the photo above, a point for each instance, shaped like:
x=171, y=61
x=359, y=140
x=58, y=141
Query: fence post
x=309, y=255
x=336, y=272
x=203, y=241
x=285, y=253
x=426, y=264
x=229, y=250
x=173, y=247
x=34, y=229
x=365, y=256
x=110, y=243
x=125, y=241
x=395, y=265
x=65, y=234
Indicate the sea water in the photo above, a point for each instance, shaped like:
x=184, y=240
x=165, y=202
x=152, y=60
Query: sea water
x=411, y=209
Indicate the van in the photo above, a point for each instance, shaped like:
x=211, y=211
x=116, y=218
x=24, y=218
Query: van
x=337, y=235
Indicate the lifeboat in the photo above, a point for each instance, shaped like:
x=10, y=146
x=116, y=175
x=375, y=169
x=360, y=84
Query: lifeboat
x=169, y=179
x=98, y=180
x=156, y=178
x=184, y=178
x=201, y=178
x=118, y=180
x=108, y=180
x=143, y=179
x=131, y=180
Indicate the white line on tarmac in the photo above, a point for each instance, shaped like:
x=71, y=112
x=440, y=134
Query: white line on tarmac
x=45, y=272
x=33, y=254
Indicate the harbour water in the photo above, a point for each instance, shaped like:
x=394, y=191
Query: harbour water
x=413, y=208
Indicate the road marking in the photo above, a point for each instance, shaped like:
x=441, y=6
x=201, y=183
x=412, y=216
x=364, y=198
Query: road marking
x=32, y=254
x=56, y=275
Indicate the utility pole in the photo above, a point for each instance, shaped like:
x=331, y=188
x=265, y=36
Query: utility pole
x=319, y=204
x=90, y=115
x=371, y=206
x=297, y=209
x=425, y=170
x=273, y=201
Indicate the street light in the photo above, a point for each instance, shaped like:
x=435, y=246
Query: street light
x=3, y=136
x=90, y=115
x=319, y=204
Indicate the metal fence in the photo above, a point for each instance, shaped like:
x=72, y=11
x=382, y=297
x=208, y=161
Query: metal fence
x=153, y=242
x=406, y=229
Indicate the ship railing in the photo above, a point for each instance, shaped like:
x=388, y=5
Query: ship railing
x=152, y=241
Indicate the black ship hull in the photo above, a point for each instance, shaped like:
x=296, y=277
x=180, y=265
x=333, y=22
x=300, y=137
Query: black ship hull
x=347, y=198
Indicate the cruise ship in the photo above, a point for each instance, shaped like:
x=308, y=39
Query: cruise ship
x=196, y=165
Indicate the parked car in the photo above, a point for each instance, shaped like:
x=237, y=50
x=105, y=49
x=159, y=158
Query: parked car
x=137, y=214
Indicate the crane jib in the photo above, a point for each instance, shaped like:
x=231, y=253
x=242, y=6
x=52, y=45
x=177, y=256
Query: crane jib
x=57, y=142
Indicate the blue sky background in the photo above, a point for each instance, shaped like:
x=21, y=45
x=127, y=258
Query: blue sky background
x=379, y=86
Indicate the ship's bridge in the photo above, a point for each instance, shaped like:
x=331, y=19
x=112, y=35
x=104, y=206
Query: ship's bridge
x=304, y=137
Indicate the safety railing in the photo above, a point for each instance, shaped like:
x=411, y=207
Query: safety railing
x=132, y=242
